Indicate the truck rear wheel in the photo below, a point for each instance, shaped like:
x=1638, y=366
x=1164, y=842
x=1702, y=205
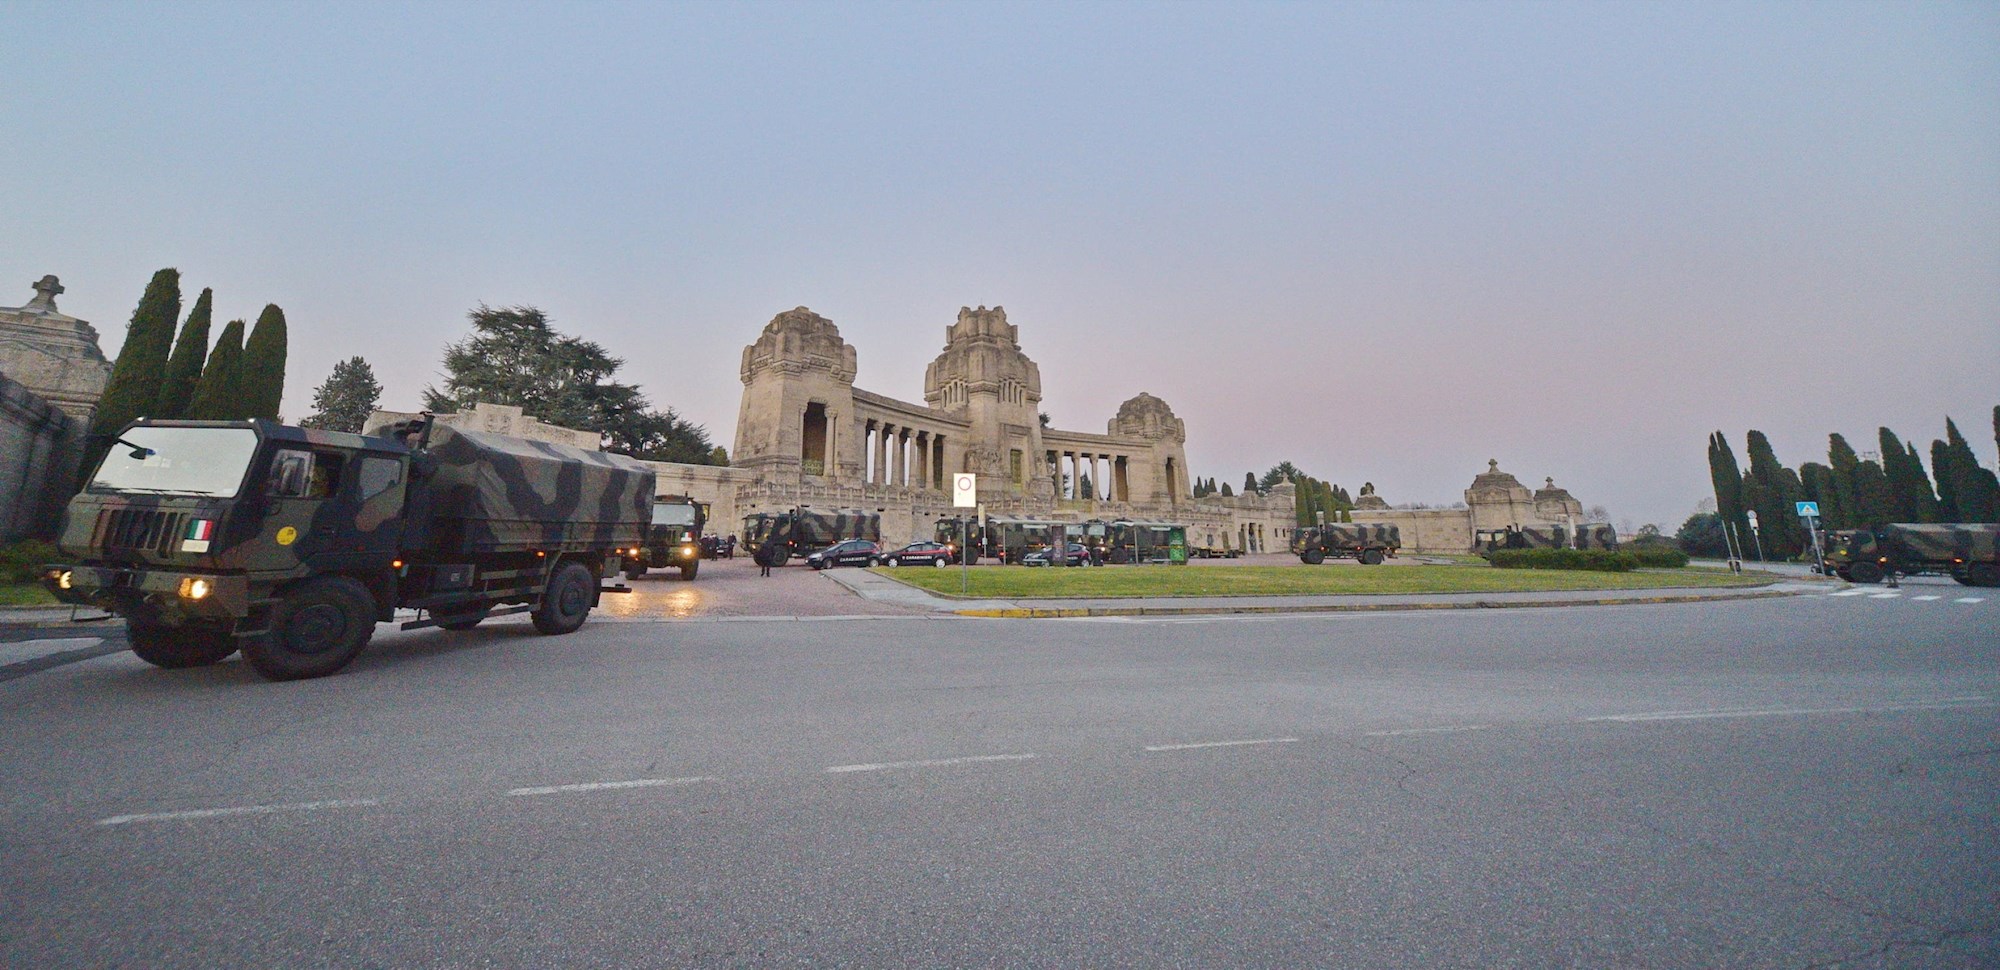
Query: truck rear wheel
x=1864, y=573
x=688, y=570
x=317, y=629
x=1983, y=574
x=1312, y=557
x=1371, y=557
x=566, y=603
x=179, y=647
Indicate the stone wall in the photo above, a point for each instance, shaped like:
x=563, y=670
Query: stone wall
x=40, y=445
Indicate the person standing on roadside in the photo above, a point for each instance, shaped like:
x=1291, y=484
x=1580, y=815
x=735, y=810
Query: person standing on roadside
x=764, y=555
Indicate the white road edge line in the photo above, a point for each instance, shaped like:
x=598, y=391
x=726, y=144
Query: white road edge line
x=609, y=785
x=927, y=763
x=240, y=810
x=1429, y=730
x=1951, y=703
x=1218, y=744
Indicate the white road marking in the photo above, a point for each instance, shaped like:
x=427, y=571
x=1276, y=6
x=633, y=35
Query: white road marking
x=1970, y=599
x=1924, y=599
x=31, y=649
x=927, y=763
x=1883, y=596
x=1848, y=592
x=240, y=810
x=610, y=785
x=1429, y=730
x=1218, y=744
x=1946, y=704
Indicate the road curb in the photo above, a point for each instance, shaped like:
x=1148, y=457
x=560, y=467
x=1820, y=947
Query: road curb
x=1060, y=612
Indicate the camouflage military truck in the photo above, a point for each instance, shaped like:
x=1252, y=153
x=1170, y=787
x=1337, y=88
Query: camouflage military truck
x=291, y=544
x=1522, y=537
x=674, y=538
x=1367, y=542
x=1964, y=551
x=1597, y=535
x=802, y=532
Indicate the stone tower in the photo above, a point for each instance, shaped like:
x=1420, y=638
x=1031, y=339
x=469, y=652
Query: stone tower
x=798, y=400
x=983, y=378
x=1162, y=477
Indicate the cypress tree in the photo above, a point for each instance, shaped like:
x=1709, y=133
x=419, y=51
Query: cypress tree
x=1777, y=492
x=1915, y=501
x=1817, y=480
x=1975, y=491
x=263, y=375
x=1944, y=465
x=190, y=353
x=1841, y=457
x=216, y=396
x=1874, y=498
x=141, y=367
x=1728, y=482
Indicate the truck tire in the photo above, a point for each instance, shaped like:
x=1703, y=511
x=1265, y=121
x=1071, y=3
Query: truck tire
x=1371, y=557
x=635, y=570
x=1983, y=574
x=179, y=647
x=688, y=571
x=1312, y=557
x=566, y=603
x=318, y=628
x=1864, y=573
x=781, y=557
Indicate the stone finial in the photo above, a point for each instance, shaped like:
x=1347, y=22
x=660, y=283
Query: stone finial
x=1549, y=482
x=46, y=290
x=1492, y=466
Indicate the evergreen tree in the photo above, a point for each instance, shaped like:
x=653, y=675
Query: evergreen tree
x=1915, y=501
x=1701, y=535
x=1874, y=498
x=720, y=456
x=141, y=366
x=1968, y=491
x=1728, y=481
x=1774, y=491
x=262, y=379
x=1817, y=480
x=184, y=367
x=515, y=356
x=344, y=402
x=216, y=395
x=1843, y=460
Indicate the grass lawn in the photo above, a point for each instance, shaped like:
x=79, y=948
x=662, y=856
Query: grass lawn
x=1012, y=582
x=25, y=594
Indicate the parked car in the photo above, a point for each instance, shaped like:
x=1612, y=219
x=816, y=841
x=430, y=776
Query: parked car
x=1079, y=555
x=921, y=553
x=848, y=552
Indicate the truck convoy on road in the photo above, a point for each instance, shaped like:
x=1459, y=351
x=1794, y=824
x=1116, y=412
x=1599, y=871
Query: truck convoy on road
x=1365, y=542
x=673, y=539
x=292, y=543
x=1967, y=552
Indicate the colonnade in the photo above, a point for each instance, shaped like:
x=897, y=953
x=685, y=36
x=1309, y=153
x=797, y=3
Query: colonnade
x=1110, y=477
x=903, y=456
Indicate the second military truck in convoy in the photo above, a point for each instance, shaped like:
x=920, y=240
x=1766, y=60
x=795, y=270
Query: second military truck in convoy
x=673, y=540
x=1365, y=542
x=292, y=543
x=1967, y=552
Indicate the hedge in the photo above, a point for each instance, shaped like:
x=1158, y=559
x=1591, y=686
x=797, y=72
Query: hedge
x=22, y=561
x=1595, y=560
x=1658, y=557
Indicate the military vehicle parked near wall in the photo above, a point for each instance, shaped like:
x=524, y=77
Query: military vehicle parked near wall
x=291, y=543
x=802, y=532
x=673, y=539
x=1590, y=535
x=1131, y=541
x=1964, y=551
x=1367, y=542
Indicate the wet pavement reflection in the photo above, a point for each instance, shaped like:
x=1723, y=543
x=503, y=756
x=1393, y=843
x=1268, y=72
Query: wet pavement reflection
x=731, y=587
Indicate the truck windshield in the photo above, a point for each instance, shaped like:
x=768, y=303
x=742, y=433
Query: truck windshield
x=177, y=461
x=673, y=515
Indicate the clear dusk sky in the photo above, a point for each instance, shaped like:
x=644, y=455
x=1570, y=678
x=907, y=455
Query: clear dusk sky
x=1384, y=241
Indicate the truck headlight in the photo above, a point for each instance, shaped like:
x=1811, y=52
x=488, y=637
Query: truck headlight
x=195, y=588
x=687, y=552
x=65, y=579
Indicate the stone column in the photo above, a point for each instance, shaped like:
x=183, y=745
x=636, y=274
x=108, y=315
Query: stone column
x=923, y=444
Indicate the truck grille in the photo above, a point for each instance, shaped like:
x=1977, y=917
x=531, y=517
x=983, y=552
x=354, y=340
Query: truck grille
x=142, y=530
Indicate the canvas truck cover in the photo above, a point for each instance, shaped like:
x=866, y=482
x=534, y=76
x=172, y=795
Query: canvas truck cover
x=495, y=493
x=1943, y=542
x=1361, y=535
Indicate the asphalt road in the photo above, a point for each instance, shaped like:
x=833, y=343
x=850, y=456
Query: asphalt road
x=1807, y=781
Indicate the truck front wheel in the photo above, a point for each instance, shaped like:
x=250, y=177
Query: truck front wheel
x=566, y=603
x=179, y=647
x=635, y=570
x=1864, y=573
x=688, y=570
x=317, y=629
x=1983, y=574
x=1371, y=557
x=1312, y=557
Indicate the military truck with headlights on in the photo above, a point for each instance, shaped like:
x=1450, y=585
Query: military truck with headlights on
x=672, y=540
x=1968, y=552
x=290, y=544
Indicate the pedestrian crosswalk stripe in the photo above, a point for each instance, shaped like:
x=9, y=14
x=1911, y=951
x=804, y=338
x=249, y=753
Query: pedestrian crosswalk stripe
x=1849, y=592
x=1925, y=599
x=1883, y=596
x=1970, y=599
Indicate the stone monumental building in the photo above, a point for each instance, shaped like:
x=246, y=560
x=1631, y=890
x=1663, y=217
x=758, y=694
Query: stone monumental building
x=52, y=374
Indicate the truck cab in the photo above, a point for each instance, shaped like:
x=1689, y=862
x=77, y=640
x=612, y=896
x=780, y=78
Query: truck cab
x=672, y=540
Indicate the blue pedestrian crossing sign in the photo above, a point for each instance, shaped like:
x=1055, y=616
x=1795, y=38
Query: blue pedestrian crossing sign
x=1808, y=510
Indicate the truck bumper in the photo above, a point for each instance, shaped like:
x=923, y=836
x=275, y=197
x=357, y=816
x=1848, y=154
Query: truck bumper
x=166, y=597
